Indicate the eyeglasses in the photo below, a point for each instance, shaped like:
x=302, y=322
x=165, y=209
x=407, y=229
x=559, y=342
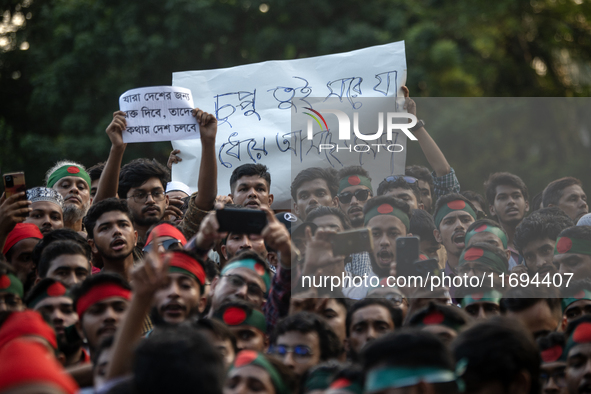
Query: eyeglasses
x=558, y=376
x=169, y=244
x=301, y=353
x=408, y=179
x=395, y=299
x=360, y=195
x=237, y=282
x=142, y=197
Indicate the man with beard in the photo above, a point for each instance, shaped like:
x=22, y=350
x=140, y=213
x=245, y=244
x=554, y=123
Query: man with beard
x=51, y=298
x=568, y=195
x=313, y=187
x=354, y=191
x=250, y=186
x=47, y=205
x=18, y=251
x=111, y=234
x=71, y=180
x=507, y=197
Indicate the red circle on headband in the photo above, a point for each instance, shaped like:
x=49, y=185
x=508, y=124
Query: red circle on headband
x=552, y=354
x=385, y=208
x=582, y=333
x=73, y=170
x=245, y=357
x=234, y=316
x=259, y=269
x=477, y=296
x=340, y=383
x=354, y=180
x=56, y=290
x=4, y=282
x=457, y=204
x=434, y=318
x=564, y=245
x=580, y=294
x=480, y=229
x=473, y=254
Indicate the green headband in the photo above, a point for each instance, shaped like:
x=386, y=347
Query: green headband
x=437, y=317
x=489, y=229
x=456, y=205
x=387, y=209
x=250, y=357
x=354, y=180
x=581, y=295
x=396, y=377
x=572, y=245
x=11, y=284
x=581, y=334
x=56, y=289
x=345, y=384
x=489, y=296
x=68, y=170
x=252, y=265
x=237, y=315
x=484, y=256
x=318, y=380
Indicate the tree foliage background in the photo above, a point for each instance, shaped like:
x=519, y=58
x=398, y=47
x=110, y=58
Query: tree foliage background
x=64, y=63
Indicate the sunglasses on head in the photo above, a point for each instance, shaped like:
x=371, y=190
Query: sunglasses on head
x=360, y=195
x=408, y=179
x=169, y=244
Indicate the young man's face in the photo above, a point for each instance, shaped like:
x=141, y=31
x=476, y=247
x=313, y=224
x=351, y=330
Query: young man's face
x=553, y=377
x=354, y=208
x=240, y=283
x=509, y=205
x=430, y=248
x=538, y=255
x=252, y=192
x=329, y=222
x=114, y=236
x=367, y=324
x=310, y=195
x=539, y=319
x=452, y=231
x=483, y=310
x=335, y=315
x=385, y=229
x=237, y=243
x=94, y=187
x=486, y=237
x=577, y=309
x=223, y=346
x=574, y=202
x=60, y=311
x=299, y=362
x=102, y=319
x=578, y=369
x=405, y=195
x=11, y=302
x=46, y=215
x=20, y=257
x=75, y=192
x=249, y=338
x=147, y=209
x=577, y=264
x=70, y=269
x=179, y=299
x=426, y=197
x=248, y=379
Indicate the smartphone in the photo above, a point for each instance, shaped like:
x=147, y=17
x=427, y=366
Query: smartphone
x=241, y=221
x=353, y=241
x=407, y=253
x=14, y=183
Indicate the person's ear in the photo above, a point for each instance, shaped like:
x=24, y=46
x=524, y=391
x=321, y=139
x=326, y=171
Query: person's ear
x=223, y=249
x=266, y=342
x=562, y=327
x=296, y=210
x=437, y=235
x=202, y=303
x=491, y=209
x=167, y=199
x=136, y=237
x=271, y=198
x=508, y=253
x=335, y=201
x=93, y=246
x=213, y=285
x=527, y=206
x=521, y=383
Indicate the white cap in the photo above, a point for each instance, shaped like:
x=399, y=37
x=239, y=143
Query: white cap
x=585, y=220
x=180, y=186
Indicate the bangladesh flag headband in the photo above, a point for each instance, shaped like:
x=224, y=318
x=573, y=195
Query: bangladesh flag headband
x=241, y=315
x=252, y=265
x=183, y=264
x=395, y=377
x=436, y=317
x=456, y=205
x=572, y=245
x=581, y=295
x=68, y=170
x=344, y=384
x=484, y=256
x=387, y=209
x=489, y=296
x=581, y=334
x=11, y=284
x=354, y=180
x=553, y=354
x=54, y=290
x=489, y=229
x=250, y=357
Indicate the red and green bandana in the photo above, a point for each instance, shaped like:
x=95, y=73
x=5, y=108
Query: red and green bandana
x=380, y=379
x=11, y=284
x=68, y=170
x=241, y=315
x=456, y=205
x=436, y=317
x=354, y=180
x=99, y=293
x=56, y=289
x=488, y=296
x=572, y=245
x=250, y=357
x=484, y=256
x=581, y=295
x=253, y=265
x=489, y=229
x=344, y=384
x=387, y=209
x=581, y=334
x=184, y=264
x=553, y=354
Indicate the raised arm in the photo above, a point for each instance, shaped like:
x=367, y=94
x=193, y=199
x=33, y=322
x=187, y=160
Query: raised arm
x=208, y=171
x=109, y=182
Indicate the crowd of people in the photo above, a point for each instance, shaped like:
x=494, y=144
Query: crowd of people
x=114, y=279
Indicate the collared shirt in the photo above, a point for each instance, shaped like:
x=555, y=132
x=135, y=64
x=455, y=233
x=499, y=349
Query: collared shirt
x=359, y=265
x=515, y=259
x=277, y=305
x=445, y=184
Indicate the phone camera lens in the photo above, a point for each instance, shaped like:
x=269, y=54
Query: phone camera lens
x=9, y=178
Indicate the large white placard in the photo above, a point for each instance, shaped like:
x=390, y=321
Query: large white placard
x=253, y=105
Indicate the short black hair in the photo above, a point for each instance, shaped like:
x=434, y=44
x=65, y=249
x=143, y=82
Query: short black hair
x=101, y=207
x=577, y=232
x=497, y=349
x=177, y=360
x=443, y=200
x=518, y=299
x=39, y=289
x=259, y=170
x=395, y=202
x=422, y=224
x=553, y=192
x=473, y=196
x=56, y=249
x=96, y=280
x=395, y=313
x=536, y=201
x=321, y=211
x=306, y=322
x=452, y=313
x=385, y=186
x=329, y=175
x=217, y=328
x=139, y=171
x=59, y=235
x=503, y=178
x=545, y=223
x=422, y=174
x=96, y=170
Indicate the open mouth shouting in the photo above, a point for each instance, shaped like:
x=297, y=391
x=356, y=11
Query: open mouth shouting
x=458, y=239
x=254, y=204
x=173, y=310
x=385, y=257
x=118, y=244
